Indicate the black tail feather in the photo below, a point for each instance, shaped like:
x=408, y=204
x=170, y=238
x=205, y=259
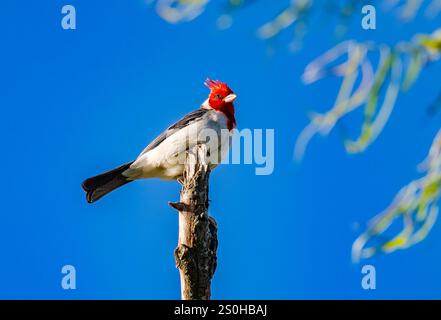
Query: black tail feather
x=98, y=186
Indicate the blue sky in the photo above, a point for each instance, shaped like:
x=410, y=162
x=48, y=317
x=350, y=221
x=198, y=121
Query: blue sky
x=76, y=103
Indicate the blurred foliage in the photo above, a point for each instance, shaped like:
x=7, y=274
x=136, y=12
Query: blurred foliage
x=174, y=11
x=398, y=68
x=415, y=204
x=296, y=15
x=409, y=9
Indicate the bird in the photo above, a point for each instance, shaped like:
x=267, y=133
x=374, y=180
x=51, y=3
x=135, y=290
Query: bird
x=162, y=158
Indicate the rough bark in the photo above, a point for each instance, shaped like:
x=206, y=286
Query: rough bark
x=197, y=244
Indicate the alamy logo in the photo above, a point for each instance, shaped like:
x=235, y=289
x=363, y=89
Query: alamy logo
x=68, y=282
x=69, y=21
x=256, y=149
x=369, y=280
x=248, y=146
x=369, y=21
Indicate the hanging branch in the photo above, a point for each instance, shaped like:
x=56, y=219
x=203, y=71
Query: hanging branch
x=386, y=82
x=196, y=251
x=416, y=204
x=295, y=16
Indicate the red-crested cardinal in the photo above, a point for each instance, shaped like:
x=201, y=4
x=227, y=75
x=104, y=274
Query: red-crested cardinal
x=162, y=158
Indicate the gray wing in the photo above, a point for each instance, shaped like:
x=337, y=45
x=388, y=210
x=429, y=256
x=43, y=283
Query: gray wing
x=185, y=121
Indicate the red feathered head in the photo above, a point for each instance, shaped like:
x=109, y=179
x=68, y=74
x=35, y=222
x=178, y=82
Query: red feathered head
x=221, y=98
x=219, y=91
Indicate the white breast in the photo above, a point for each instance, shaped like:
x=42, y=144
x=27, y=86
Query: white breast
x=166, y=161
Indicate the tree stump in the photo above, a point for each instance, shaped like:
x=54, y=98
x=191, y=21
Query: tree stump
x=197, y=243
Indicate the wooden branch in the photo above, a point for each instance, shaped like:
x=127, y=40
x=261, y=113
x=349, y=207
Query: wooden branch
x=196, y=251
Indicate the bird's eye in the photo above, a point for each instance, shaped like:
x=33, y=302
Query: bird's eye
x=218, y=97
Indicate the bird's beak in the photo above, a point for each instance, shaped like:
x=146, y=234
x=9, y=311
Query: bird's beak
x=230, y=98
